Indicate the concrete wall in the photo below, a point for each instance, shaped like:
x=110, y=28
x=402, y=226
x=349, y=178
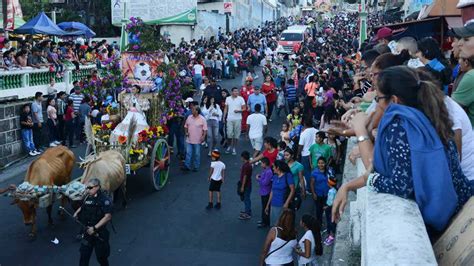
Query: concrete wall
x=176, y=32
x=245, y=14
x=11, y=147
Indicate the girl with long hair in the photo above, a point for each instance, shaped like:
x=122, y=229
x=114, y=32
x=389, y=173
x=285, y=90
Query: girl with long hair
x=280, y=241
x=309, y=246
x=283, y=190
x=213, y=114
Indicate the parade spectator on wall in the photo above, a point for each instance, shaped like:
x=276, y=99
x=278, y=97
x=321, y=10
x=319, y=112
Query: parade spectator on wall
x=416, y=117
x=37, y=117
x=464, y=94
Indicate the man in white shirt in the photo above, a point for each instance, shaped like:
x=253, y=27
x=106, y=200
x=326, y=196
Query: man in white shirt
x=257, y=127
x=234, y=105
x=307, y=138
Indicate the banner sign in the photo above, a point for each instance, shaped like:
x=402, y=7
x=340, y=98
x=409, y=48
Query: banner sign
x=141, y=69
x=13, y=9
x=149, y=10
x=227, y=7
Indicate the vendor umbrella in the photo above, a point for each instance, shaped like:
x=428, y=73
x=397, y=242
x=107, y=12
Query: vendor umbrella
x=67, y=26
x=41, y=24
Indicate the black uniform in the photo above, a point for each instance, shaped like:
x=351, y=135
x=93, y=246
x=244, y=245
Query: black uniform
x=92, y=211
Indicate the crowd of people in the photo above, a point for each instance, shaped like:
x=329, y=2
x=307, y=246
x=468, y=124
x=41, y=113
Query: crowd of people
x=410, y=109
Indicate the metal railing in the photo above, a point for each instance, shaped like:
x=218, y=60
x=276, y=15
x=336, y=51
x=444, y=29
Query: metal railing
x=25, y=82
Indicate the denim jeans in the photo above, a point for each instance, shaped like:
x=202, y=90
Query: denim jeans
x=330, y=225
x=37, y=135
x=27, y=137
x=247, y=202
x=176, y=131
x=193, y=150
x=197, y=81
x=212, y=133
x=265, y=217
x=275, y=214
x=307, y=170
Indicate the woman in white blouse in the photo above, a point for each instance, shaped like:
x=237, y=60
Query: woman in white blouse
x=213, y=114
x=310, y=244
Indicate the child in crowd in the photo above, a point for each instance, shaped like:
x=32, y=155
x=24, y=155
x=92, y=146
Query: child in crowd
x=52, y=123
x=281, y=150
x=319, y=186
x=328, y=208
x=319, y=149
x=245, y=185
x=216, y=178
x=295, y=118
x=69, y=116
x=291, y=94
x=265, y=181
x=309, y=245
x=26, y=124
x=285, y=133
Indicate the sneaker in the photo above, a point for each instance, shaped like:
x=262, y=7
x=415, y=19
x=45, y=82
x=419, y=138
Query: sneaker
x=57, y=142
x=32, y=153
x=262, y=225
x=52, y=144
x=329, y=240
x=228, y=150
x=218, y=205
x=244, y=216
x=36, y=152
x=256, y=77
x=234, y=152
x=209, y=206
x=209, y=154
x=184, y=168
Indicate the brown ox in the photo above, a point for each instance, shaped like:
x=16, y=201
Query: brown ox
x=109, y=168
x=53, y=167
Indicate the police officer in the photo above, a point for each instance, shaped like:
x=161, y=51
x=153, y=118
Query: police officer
x=95, y=213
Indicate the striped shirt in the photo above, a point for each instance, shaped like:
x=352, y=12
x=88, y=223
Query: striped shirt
x=77, y=100
x=61, y=107
x=291, y=94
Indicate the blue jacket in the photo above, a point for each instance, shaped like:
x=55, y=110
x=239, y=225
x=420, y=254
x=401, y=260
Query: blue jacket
x=432, y=181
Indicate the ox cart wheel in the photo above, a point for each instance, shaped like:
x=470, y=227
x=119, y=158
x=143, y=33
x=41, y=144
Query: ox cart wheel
x=159, y=164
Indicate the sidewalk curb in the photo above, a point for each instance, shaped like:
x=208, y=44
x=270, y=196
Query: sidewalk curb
x=16, y=169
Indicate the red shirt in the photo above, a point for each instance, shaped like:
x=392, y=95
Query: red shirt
x=269, y=91
x=246, y=170
x=270, y=155
x=68, y=114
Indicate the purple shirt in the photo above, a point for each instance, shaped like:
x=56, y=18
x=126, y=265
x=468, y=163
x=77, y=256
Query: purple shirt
x=265, y=182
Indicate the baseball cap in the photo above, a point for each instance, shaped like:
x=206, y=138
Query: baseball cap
x=383, y=33
x=466, y=31
x=188, y=100
x=216, y=154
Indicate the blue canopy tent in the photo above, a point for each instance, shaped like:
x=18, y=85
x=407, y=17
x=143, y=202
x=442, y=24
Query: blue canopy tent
x=41, y=24
x=78, y=27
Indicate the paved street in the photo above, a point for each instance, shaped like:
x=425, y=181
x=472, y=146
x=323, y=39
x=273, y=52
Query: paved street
x=169, y=227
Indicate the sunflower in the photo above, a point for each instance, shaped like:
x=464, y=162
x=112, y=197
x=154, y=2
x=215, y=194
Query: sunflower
x=122, y=139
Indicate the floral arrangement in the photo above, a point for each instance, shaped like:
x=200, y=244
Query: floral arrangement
x=143, y=37
x=172, y=94
x=102, y=132
x=151, y=134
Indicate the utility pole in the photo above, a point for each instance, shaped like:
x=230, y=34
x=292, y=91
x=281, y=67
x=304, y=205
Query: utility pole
x=362, y=23
x=123, y=33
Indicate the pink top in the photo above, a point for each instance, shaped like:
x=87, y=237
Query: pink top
x=196, y=127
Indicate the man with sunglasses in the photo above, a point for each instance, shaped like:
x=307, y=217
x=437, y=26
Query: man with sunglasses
x=95, y=213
